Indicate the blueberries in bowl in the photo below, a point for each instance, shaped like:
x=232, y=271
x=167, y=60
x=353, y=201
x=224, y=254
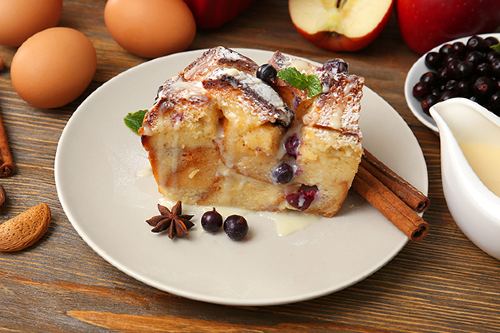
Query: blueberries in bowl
x=470, y=70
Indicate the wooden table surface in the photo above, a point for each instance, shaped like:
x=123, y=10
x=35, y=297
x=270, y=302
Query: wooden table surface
x=443, y=284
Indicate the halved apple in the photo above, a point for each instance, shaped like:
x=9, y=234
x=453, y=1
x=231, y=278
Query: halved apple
x=340, y=25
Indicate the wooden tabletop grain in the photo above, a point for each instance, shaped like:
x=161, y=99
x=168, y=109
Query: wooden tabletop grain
x=443, y=284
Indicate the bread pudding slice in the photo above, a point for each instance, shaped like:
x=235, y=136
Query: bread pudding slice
x=326, y=129
x=218, y=135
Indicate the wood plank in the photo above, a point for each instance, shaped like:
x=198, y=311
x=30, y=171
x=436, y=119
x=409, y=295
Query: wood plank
x=443, y=284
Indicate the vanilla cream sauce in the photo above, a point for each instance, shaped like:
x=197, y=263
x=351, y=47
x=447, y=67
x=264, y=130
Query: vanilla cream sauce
x=484, y=158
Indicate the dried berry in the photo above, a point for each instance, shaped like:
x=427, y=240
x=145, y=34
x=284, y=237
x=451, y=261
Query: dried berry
x=303, y=198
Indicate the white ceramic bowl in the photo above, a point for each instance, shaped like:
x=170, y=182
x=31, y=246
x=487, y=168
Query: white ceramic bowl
x=414, y=75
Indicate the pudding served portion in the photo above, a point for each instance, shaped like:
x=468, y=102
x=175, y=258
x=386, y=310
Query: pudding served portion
x=227, y=132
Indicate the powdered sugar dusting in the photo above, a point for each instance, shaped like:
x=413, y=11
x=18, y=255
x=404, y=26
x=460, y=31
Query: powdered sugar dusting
x=214, y=58
x=339, y=108
x=228, y=54
x=276, y=109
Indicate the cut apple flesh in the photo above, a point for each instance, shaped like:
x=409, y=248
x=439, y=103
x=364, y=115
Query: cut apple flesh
x=351, y=18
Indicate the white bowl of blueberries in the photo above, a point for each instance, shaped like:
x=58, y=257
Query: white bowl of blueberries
x=466, y=67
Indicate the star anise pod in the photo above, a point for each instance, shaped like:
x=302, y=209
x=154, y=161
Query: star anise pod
x=176, y=224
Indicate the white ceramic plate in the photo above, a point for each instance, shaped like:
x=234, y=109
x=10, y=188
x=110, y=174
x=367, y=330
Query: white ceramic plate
x=96, y=168
x=413, y=77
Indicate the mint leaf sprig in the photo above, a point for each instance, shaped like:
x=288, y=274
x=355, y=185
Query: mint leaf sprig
x=134, y=120
x=496, y=47
x=310, y=83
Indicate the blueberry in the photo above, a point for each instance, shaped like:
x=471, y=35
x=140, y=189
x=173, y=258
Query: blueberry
x=430, y=79
x=420, y=90
x=475, y=57
x=211, y=221
x=283, y=173
x=433, y=60
x=448, y=94
x=429, y=101
x=491, y=41
x=463, y=88
x=266, y=73
x=445, y=74
x=453, y=68
x=477, y=43
x=495, y=103
x=236, y=227
x=492, y=56
x=451, y=85
x=464, y=69
x=292, y=145
x=450, y=57
x=483, y=86
x=483, y=69
x=476, y=99
x=436, y=93
x=495, y=68
x=446, y=49
x=459, y=49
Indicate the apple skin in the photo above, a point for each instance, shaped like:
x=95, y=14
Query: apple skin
x=427, y=23
x=333, y=41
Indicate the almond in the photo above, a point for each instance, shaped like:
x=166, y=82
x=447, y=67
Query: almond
x=25, y=229
x=3, y=196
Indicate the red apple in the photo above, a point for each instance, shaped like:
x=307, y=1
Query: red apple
x=211, y=14
x=340, y=25
x=427, y=23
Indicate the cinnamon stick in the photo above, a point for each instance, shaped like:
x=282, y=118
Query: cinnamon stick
x=404, y=190
x=389, y=204
x=7, y=166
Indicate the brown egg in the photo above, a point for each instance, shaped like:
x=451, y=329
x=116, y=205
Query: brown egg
x=20, y=19
x=150, y=28
x=53, y=67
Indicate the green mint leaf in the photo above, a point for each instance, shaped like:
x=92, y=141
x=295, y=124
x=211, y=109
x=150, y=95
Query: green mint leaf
x=293, y=77
x=315, y=87
x=309, y=83
x=496, y=47
x=133, y=120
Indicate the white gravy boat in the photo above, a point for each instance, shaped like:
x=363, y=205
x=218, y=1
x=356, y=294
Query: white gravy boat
x=468, y=131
